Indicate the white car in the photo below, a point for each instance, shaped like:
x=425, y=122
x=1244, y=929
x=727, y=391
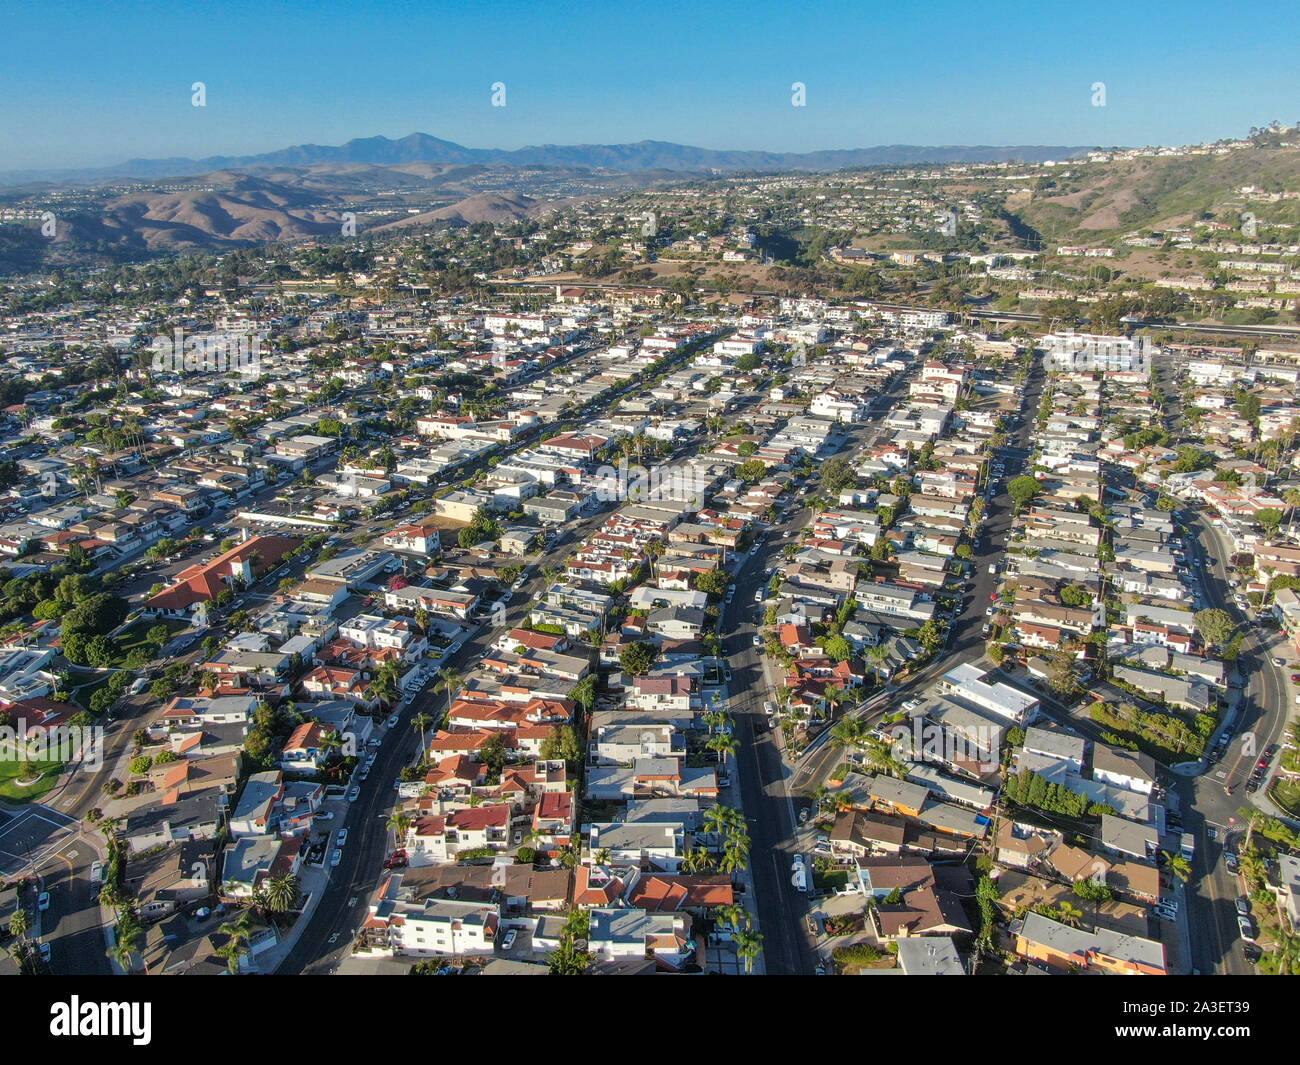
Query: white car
x=354, y=793
x=509, y=940
x=328, y=815
x=43, y=901
x=758, y=641
x=341, y=838
x=758, y=596
x=336, y=858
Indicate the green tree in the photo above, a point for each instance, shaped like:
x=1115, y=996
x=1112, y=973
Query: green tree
x=1023, y=489
x=636, y=659
x=1215, y=625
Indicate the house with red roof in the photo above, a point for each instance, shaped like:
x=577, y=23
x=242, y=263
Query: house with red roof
x=242, y=564
x=440, y=837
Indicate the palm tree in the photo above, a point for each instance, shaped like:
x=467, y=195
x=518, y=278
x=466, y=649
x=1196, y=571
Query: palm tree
x=449, y=681
x=719, y=818
x=833, y=694
x=735, y=854
x=1291, y=497
x=724, y=744
x=230, y=951
x=697, y=860
x=848, y=732
x=239, y=930
x=1178, y=865
x=882, y=759
x=1069, y=913
x=419, y=723
x=1254, y=819
x=748, y=944
x=281, y=892
x=122, y=950
x=19, y=922
x=399, y=822
x=733, y=914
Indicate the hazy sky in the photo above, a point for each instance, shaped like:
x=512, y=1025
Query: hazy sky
x=88, y=84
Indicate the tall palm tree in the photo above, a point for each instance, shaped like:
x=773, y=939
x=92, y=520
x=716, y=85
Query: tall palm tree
x=1254, y=819
x=748, y=944
x=834, y=694
x=449, y=681
x=239, y=930
x=419, y=723
x=125, y=942
x=399, y=822
x=724, y=744
x=734, y=915
x=848, y=732
x=719, y=818
x=19, y=922
x=735, y=854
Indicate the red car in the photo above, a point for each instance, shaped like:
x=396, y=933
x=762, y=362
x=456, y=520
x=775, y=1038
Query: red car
x=993, y=597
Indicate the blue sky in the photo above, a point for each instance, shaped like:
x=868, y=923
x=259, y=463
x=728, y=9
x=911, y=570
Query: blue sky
x=90, y=83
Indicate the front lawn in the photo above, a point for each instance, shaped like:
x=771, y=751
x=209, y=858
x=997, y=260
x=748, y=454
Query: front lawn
x=138, y=635
x=42, y=774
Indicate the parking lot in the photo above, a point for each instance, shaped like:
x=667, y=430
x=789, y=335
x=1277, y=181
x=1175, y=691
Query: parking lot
x=27, y=835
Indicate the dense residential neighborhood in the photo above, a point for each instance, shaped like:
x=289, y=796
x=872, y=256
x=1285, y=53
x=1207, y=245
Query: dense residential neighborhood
x=647, y=560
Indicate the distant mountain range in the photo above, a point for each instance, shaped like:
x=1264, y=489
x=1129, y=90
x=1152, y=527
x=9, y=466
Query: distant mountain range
x=629, y=158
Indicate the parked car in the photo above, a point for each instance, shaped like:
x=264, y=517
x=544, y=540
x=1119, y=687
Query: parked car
x=336, y=858
x=1243, y=907
x=43, y=901
x=354, y=793
x=341, y=838
x=1247, y=928
x=509, y=940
